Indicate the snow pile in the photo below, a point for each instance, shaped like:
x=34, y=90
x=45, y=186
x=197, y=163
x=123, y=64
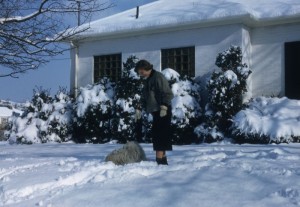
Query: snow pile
x=269, y=119
x=186, y=109
x=166, y=13
x=75, y=175
x=45, y=119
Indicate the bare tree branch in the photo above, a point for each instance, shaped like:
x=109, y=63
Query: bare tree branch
x=30, y=32
x=25, y=18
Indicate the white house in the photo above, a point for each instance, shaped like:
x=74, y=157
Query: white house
x=187, y=35
x=5, y=113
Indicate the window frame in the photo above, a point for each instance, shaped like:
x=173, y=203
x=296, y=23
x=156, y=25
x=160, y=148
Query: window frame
x=107, y=65
x=181, y=59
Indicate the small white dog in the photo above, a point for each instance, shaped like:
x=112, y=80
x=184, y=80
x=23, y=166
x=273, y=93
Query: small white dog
x=131, y=152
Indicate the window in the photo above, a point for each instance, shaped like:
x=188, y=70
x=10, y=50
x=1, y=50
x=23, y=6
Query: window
x=107, y=66
x=180, y=59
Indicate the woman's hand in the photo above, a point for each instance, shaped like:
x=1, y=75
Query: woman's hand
x=138, y=115
x=163, y=111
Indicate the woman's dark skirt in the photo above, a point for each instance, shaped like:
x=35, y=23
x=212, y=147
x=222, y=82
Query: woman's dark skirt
x=161, y=131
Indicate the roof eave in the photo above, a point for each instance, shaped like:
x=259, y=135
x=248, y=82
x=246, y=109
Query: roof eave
x=247, y=20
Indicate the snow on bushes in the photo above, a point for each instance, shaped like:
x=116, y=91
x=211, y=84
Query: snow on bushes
x=268, y=120
x=58, y=127
x=92, y=113
x=104, y=112
x=186, y=110
x=226, y=89
x=171, y=75
x=128, y=98
x=45, y=119
x=208, y=131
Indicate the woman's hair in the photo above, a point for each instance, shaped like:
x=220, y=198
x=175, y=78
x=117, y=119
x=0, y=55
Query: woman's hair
x=143, y=64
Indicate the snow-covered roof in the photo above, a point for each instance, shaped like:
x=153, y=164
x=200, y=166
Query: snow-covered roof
x=172, y=13
x=5, y=112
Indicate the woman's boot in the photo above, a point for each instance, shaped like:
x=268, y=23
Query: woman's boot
x=162, y=161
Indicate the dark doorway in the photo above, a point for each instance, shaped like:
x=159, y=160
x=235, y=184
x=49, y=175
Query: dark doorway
x=292, y=70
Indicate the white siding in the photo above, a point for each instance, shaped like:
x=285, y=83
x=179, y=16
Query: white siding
x=263, y=49
x=268, y=57
x=208, y=43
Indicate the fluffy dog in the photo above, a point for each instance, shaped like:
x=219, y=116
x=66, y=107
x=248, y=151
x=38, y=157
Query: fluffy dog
x=131, y=152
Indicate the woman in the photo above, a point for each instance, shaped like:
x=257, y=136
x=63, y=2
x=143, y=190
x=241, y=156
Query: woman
x=157, y=97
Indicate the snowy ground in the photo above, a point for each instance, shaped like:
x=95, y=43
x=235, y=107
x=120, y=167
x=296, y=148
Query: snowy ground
x=69, y=175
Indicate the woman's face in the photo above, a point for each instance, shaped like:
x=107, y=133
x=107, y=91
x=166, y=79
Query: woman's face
x=144, y=73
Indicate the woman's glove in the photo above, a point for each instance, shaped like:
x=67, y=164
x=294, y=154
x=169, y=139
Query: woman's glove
x=138, y=115
x=163, y=111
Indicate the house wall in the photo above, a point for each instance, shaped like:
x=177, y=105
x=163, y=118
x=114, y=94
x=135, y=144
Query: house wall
x=73, y=71
x=208, y=43
x=3, y=121
x=267, y=60
x=263, y=49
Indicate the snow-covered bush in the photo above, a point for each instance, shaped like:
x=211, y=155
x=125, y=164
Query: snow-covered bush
x=59, y=125
x=46, y=119
x=268, y=120
x=226, y=89
x=92, y=113
x=127, y=99
x=208, y=131
x=186, y=110
x=171, y=75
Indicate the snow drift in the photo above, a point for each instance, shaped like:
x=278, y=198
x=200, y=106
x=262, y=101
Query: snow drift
x=276, y=119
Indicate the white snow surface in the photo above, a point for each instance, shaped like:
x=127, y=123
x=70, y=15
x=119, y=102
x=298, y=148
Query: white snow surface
x=168, y=13
x=273, y=117
x=72, y=175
